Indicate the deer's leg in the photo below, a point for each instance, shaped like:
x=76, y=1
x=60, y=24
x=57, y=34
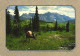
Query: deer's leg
x=29, y=38
x=34, y=37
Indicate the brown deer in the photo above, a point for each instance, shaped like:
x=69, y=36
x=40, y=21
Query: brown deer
x=29, y=35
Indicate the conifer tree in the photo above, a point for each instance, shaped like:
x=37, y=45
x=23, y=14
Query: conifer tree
x=67, y=27
x=16, y=21
x=30, y=25
x=56, y=26
x=47, y=27
x=8, y=22
x=16, y=16
x=33, y=24
x=36, y=21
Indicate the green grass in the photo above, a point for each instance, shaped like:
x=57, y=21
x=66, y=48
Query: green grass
x=44, y=41
x=54, y=40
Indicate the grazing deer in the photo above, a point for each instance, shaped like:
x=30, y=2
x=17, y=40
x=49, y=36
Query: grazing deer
x=29, y=35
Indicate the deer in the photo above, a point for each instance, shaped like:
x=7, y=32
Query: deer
x=29, y=35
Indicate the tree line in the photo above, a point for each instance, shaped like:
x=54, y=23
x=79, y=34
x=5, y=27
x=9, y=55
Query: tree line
x=16, y=22
x=61, y=28
x=57, y=27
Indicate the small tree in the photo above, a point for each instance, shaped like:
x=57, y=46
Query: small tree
x=47, y=27
x=33, y=26
x=30, y=25
x=56, y=26
x=67, y=27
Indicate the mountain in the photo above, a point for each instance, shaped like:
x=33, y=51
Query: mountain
x=49, y=17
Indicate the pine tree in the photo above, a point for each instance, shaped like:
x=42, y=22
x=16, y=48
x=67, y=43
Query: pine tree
x=8, y=22
x=67, y=27
x=16, y=21
x=16, y=16
x=36, y=21
x=47, y=27
x=30, y=25
x=56, y=26
x=33, y=24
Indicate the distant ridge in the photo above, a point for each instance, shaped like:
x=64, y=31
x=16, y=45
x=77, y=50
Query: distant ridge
x=48, y=17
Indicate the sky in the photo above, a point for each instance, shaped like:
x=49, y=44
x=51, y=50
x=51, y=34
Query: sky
x=63, y=10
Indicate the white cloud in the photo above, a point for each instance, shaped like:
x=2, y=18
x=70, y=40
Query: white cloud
x=11, y=11
x=28, y=9
x=44, y=9
x=62, y=10
x=67, y=9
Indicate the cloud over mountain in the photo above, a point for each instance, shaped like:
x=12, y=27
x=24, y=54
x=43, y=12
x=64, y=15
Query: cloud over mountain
x=63, y=10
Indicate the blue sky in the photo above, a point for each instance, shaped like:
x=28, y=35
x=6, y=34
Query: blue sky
x=63, y=10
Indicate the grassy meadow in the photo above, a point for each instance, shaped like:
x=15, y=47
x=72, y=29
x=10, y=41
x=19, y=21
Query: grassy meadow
x=45, y=40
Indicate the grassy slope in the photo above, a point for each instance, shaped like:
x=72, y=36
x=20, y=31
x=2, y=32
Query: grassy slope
x=53, y=40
